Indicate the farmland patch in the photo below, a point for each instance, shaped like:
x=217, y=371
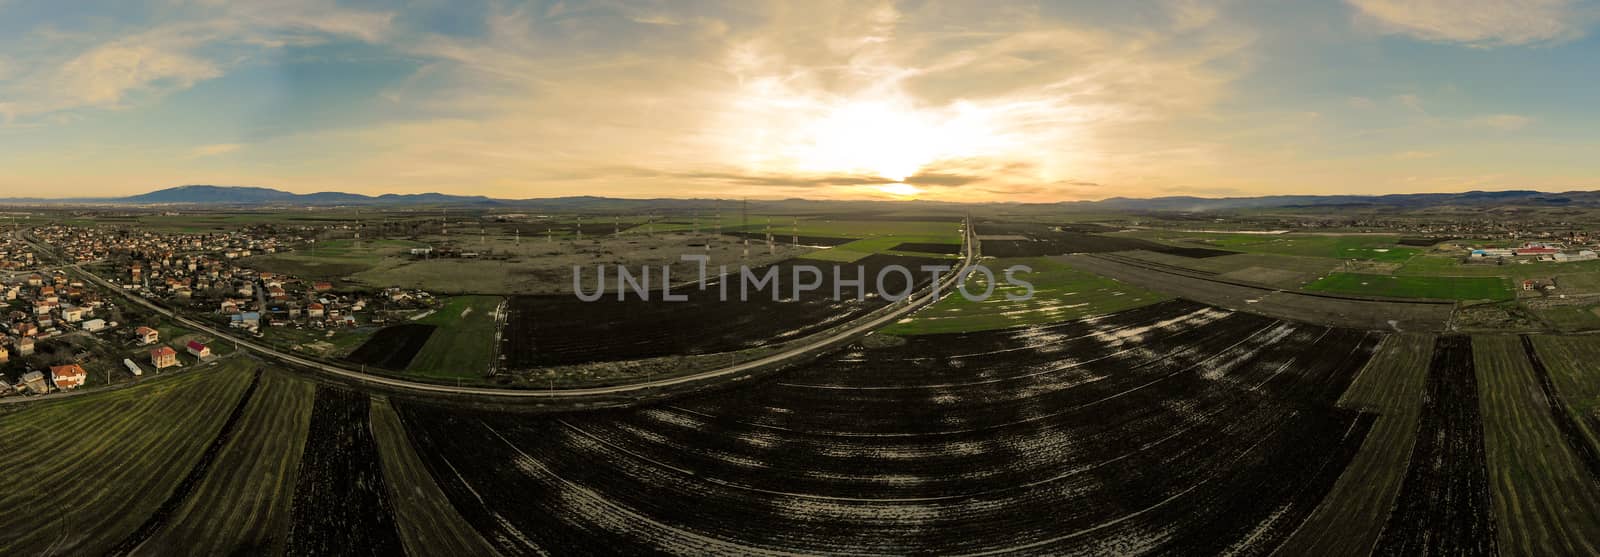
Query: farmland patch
x=1440, y=288
x=1444, y=506
x=341, y=503
x=392, y=347
x=1174, y=427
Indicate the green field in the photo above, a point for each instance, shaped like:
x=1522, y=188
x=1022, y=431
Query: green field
x=1061, y=293
x=462, y=345
x=1545, y=503
x=1442, y=288
x=1352, y=515
x=856, y=250
x=105, y=461
x=1570, y=318
x=1574, y=363
x=244, y=499
x=1367, y=247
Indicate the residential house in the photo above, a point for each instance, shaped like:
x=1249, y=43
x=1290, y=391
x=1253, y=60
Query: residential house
x=163, y=357
x=314, y=311
x=199, y=350
x=5, y=355
x=25, y=346
x=147, y=335
x=35, y=382
x=68, y=377
x=93, y=325
x=72, y=314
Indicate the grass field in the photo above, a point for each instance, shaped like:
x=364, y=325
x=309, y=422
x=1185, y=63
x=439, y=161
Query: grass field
x=858, y=249
x=1061, y=293
x=1574, y=363
x=462, y=345
x=1284, y=271
x=1444, y=288
x=427, y=522
x=88, y=470
x=947, y=232
x=331, y=259
x=242, y=505
x=1545, y=503
x=1353, y=514
x=1570, y=318
x=1369, y=247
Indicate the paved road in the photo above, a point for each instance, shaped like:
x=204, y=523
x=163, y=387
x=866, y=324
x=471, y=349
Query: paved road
x=808, y=349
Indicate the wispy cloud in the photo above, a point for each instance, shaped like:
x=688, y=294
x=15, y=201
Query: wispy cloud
x=1502, y=122
x=1482, y=23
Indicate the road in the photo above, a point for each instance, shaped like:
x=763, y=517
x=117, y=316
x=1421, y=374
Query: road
x=794, y=353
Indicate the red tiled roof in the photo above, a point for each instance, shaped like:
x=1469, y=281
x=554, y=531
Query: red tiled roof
x=164, y=351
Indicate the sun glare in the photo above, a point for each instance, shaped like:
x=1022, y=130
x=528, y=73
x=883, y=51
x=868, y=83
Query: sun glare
x=899, y=189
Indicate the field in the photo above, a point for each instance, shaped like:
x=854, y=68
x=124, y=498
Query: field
x=1362, y=246
x=1283, y=271
x=1032, y=240
x=1350, y=519
x=1546, y=501
x=559, y=330
x=916, y=246
x=1439, y=288
x=428, y=525
x=243, y=505
x=1572, y=365
x=463, y=340
x=1326, y=309
x=392, y=347
x=332, y=260
x=1445, y=505
x=1172, y=427
x=341, y=503
x=114, y=455
x=1060, y=293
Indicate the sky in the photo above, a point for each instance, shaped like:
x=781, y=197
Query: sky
x=956, y=101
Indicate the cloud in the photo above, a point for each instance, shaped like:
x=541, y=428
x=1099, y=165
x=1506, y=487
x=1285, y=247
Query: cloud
x=215, y=149
x=1502, y=122
x=1480, y=23
x=52, y=70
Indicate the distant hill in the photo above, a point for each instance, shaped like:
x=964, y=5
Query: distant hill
x=266, y=197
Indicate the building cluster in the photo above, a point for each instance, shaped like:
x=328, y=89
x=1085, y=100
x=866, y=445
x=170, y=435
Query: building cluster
x=38, y=307
x=15, y=254
x=1541, y=251
x=81, y=245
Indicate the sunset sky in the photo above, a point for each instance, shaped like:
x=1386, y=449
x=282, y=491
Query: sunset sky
x=969, y=100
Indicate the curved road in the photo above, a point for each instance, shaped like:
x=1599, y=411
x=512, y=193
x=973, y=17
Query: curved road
x=969, y=257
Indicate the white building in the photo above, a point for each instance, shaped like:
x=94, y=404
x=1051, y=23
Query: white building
x=93, y=325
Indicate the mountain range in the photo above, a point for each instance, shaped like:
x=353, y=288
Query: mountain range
x=208, y=195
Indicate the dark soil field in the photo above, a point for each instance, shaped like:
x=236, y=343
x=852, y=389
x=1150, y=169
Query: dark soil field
x=1043, y=239
x=1444, y=505
x=1173, y=428
x=562, y=329
x=341, y=505
x=392, y=347
x=947, y=249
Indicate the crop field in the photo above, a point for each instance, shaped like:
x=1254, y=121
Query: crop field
x=1172, y=427
x=1060, y=293
x=428, y=525
x=1368, y=247
x=341, y=503
x=1327, y=309
x=562, y=329
x=1445, y=506
x=1283, y=271
x=1032, y=240
x=462, y=343
x=392, y=347
x=332, y=260
x=242, y=506
x=1440, y=288
x=1546, y=500
x=114, y=455
x=918, y=246
x=1350, y=519
x=1571, y=365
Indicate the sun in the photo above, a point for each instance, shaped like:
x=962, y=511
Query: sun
x=900, y=189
